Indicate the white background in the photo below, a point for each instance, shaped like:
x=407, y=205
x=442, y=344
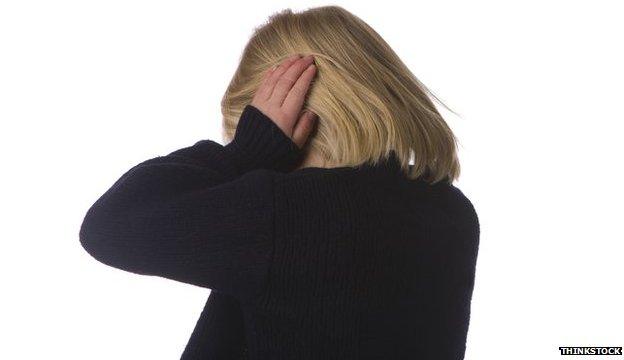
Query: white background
x=90, y=88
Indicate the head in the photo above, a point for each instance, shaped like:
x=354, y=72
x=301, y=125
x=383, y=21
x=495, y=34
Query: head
x=368, y=102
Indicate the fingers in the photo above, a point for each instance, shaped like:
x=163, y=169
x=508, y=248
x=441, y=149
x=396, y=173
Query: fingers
x=304, y=128
x=282, y=93
x=297, y=94
x=272, y=80
x=288, y=78
x=264, y=91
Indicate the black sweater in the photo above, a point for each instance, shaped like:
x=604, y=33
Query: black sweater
x=313, y=263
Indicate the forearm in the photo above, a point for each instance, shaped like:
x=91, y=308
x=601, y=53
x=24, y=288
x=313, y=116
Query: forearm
x=200, y=215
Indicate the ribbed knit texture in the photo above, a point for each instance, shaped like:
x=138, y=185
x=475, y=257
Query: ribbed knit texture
x=342, y=263
x=219, y=332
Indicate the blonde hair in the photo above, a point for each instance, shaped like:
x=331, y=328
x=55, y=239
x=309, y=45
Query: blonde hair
x=367, y=101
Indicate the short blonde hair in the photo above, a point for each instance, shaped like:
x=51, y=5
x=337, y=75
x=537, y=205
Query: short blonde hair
x=367, y=101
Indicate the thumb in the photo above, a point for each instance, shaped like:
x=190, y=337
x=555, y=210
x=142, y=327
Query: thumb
x=303, y=128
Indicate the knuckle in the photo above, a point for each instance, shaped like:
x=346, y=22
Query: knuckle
x=279, y=89
x=298, y=91
x=283, y=67
x=287, y=80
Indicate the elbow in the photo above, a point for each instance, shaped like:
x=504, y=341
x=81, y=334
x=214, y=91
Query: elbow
x=111, y=232
x=104, y=237
x=91, y=239
x=98, y=238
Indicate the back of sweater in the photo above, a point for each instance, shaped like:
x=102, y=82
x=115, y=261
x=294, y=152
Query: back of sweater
x=367, y=265
x=342, y=263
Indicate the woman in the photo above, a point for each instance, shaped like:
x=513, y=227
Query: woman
x=317, y=236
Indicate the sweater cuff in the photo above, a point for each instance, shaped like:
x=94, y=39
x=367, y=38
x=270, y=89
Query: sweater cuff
x=259, y=143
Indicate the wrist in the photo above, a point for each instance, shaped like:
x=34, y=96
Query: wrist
x=259, y=143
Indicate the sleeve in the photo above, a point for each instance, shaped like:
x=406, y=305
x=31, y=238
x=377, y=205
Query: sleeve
x=200, y=215
x=219, y=332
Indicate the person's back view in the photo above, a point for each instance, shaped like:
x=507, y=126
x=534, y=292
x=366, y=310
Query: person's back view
x=342, y=238
x=367, y=265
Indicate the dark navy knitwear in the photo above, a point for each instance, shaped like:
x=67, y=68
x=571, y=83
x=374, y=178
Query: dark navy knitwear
x=313, y=263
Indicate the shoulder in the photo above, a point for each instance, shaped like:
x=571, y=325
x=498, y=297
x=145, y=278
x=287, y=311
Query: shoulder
x=463, y=201
x=460, y=209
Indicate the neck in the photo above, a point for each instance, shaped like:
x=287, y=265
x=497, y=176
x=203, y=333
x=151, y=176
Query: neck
x=311, y=159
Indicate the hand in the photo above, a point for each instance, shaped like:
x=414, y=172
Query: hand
x=281, y=95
